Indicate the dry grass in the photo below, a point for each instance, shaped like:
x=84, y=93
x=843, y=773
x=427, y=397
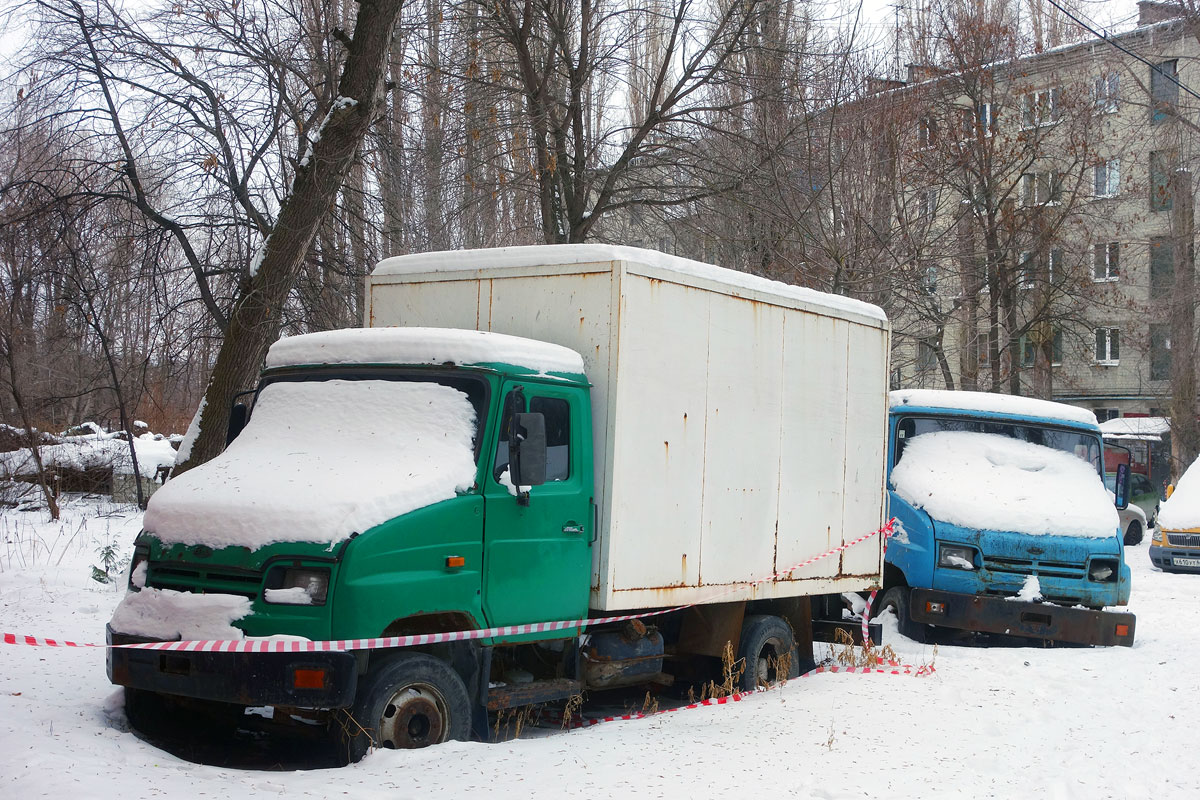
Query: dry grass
x=514, y=720
x=846, y=653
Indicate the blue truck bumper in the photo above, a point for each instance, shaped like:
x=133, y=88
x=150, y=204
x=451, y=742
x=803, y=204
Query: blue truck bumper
x=1034, y=620
x=1175, y=559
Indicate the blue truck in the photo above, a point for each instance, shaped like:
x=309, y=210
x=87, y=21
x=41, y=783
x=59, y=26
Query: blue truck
x=997, y=507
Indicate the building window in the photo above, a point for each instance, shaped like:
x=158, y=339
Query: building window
x=1029, y=349
x=977, y=120
x=1040, y=108
x=1162, y=268
x=1034, y=265
x=1106, y=261
x=984, y=351
x=1164, y=91
x=1160, y=352
x=1105, y=414
x=926, y=354
x=1108, y=346
x=1106, y=93
x=1107, y=178
x=927, y=131
x=927, y=202
x=929, y=277
x=1162, y=165
x=1028, y=352
x=1039, y=188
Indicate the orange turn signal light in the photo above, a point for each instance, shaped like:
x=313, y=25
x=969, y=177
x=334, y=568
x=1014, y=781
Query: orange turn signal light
x=308, y=679
x=455, y=561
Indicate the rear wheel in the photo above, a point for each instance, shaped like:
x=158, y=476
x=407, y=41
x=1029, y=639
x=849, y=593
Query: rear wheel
x=411, y=701
x=768, y=651
x=1133, y=534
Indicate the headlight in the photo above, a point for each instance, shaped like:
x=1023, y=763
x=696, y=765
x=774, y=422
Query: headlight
x=956, y=556
x=1103, y=571
x=137, y=569
x=297, y=586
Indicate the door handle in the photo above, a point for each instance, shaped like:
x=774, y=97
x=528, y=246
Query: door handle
x=572, y=527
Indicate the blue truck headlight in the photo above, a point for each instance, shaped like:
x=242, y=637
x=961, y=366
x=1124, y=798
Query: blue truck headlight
x=956, y=556
x=297, y=586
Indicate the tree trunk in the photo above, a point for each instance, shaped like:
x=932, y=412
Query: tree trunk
x=1185, y=432
x=257, y=314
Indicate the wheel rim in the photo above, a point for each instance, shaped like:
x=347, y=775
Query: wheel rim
x=415, y=716
x=768, y=662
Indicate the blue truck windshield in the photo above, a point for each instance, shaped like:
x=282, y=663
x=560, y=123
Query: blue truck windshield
x=1084, y=445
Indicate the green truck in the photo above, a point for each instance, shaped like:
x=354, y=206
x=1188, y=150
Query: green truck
x=555, y=434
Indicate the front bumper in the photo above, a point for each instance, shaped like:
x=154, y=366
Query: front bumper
x=1175, y=559
x=1034, y=620
x=250, y=679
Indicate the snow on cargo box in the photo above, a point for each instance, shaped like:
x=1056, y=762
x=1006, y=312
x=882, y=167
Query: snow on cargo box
x=739, y=423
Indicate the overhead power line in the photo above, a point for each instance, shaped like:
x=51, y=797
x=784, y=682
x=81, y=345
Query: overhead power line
x=1112, y=41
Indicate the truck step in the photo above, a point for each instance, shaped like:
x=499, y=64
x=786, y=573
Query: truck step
x=523, y=694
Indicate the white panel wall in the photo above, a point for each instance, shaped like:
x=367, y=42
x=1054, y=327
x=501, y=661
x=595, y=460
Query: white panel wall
x=658, y=456
x=741, y=465
x=812, y=466
x=865, y=445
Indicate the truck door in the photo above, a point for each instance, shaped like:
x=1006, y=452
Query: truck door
x=537, y=558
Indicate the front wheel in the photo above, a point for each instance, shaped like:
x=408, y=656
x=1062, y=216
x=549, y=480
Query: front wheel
x=412, y=700
x=768, y=651
x=896, y=598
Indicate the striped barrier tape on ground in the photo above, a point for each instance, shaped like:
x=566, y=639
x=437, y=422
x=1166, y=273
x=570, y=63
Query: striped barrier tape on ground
x=882, y=668
x=303, y=646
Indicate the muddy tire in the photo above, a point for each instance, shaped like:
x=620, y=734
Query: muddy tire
x=410, y=701
x=896, y=598
x=767, y=646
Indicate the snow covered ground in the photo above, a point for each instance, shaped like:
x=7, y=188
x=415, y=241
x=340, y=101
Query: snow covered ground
x=997, y=722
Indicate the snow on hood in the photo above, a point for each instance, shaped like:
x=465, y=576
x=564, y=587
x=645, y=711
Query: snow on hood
x=422, y=346
x=321, y=460
x=990, y=402
x=990, y=482
x=168, y=614
x=1181, y=510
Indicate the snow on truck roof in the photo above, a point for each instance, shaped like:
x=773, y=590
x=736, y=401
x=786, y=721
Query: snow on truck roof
x=422, y=346
x=989, y=402
x=546, y=255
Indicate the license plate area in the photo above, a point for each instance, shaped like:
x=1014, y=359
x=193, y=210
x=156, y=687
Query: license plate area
x=1185, y=562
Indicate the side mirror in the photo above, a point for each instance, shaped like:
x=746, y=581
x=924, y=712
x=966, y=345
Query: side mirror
x=527, y=450
x=1122, y=487
x=238, y=415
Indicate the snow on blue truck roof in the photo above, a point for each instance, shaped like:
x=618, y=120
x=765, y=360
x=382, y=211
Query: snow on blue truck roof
x=563, y=254
x=990, y=403
x=422, y=346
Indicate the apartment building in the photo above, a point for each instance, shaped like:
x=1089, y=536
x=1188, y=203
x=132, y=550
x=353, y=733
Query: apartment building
x=1047, y=207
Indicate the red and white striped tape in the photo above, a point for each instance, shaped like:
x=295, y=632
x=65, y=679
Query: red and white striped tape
x=883, y=668
x=304, y=646
x=866, y=615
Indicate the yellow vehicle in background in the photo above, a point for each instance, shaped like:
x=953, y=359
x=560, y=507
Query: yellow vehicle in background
x=1176, y=543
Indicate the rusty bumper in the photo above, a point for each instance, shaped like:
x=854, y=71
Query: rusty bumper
x=1033, y=620
x=303, y=680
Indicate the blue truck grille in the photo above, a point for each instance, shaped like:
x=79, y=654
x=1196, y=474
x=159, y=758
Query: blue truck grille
x=1183, y=539
x=1043, y=569
x=203, y=580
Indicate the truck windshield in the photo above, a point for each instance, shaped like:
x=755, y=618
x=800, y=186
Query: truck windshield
x=475, y=387
x=1084, y=445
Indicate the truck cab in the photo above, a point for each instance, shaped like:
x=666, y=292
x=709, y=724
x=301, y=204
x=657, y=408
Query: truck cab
x=1002, y=500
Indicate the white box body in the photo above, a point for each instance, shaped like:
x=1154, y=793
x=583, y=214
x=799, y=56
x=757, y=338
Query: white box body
x=740, y=425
